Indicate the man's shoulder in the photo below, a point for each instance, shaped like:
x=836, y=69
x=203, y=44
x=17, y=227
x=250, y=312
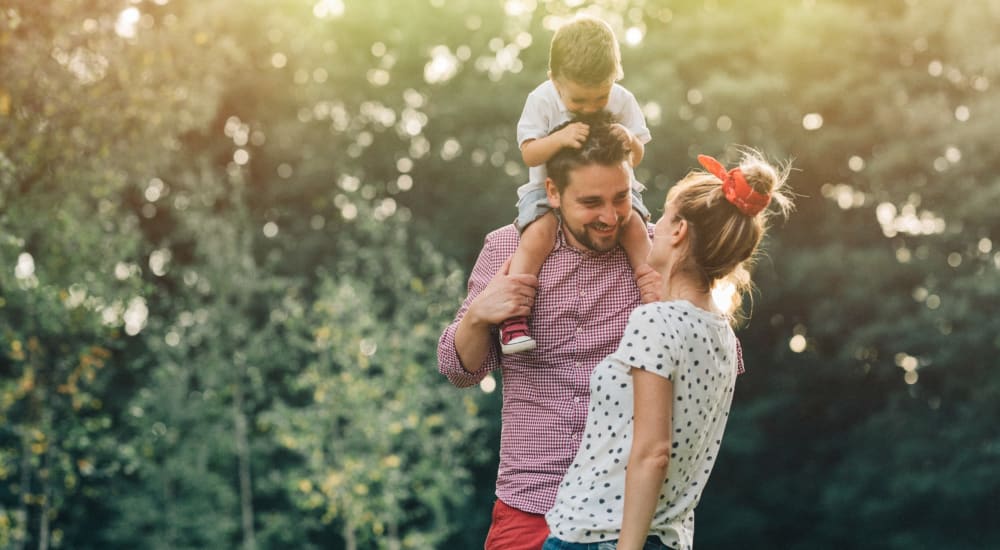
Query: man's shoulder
x=502, y=237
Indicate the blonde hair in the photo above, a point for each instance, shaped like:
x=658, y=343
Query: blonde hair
x=585, y=51
x=724, y=240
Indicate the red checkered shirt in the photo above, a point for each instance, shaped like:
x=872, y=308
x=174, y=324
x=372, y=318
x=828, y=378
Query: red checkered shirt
x=583, y=303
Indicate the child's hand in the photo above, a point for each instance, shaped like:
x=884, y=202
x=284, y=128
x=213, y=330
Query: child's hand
x=622, y=133
x=573, y=135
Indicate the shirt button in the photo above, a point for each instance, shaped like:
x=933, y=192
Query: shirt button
x=576, y=399
x=579, y=329
x=582, y=293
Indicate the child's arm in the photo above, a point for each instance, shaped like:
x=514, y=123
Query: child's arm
x=536, y=152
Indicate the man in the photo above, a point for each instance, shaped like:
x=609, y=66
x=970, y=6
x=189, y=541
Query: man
x=580, y=303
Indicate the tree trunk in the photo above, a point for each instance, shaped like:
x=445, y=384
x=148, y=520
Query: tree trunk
x=349, y=538
x=22, y=507
x=43, y=522
x=243, y=458
x=394, y=542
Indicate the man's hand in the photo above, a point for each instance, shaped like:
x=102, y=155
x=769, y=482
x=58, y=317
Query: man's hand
x=504, y=297
x=650, y=284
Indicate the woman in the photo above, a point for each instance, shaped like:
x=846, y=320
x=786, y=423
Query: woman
x=659, y=404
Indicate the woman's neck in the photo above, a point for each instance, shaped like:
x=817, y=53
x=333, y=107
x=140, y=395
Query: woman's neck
x=683, y=287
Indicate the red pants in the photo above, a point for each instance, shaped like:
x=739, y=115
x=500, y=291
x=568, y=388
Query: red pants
x=513, y=529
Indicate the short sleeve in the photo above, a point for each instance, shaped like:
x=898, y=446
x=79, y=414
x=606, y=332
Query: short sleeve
x=630, y=115
x=649, y=343
x=534, y=123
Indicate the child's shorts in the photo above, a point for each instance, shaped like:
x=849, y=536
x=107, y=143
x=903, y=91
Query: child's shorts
x=534, y=203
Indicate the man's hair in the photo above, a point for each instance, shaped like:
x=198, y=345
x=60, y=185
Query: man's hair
x=585, y=51
x=602, y=147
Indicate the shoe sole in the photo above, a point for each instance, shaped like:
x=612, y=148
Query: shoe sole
x=517, y=348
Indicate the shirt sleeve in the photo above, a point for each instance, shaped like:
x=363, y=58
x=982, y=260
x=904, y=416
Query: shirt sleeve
x=487, y=265
x=534, y=123
x=632, y=118
x=648, y=343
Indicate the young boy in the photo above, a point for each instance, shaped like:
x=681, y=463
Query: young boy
x=584, y=64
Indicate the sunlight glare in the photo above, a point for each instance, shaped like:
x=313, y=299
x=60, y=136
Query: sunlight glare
x=797, y=343
x=158, y=261
x=127, y=22
x=135, y=316
x=25, y=267
x=517, y=8
x=488, y=384
x=442, y=66
x=812, y=121
x=722, y=296
x=634, y=36
x=328, y=9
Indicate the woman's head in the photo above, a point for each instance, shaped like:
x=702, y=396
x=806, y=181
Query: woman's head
x=726, y=217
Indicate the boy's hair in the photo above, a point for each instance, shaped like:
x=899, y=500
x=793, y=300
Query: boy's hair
x=585, y=51
x=723, y=239
x=602, y=146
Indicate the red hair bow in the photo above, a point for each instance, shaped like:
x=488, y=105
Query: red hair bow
x=735, y=187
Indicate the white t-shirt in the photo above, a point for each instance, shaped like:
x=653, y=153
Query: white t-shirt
x=544, y=110
x=696, y=350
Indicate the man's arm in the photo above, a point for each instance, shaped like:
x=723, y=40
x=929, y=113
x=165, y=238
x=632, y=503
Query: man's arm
x=467, y=349
x=504, y=297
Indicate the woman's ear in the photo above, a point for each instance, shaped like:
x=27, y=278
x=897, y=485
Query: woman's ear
x=679, y=233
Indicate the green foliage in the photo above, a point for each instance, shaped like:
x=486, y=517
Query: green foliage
x=384, y=441
x=229, y=237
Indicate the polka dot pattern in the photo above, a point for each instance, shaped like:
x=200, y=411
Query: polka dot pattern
x=696, y=351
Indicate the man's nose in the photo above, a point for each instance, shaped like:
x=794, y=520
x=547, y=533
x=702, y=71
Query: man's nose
x=609, y=215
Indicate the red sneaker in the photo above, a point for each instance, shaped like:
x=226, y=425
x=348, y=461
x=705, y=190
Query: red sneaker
x=514, y=336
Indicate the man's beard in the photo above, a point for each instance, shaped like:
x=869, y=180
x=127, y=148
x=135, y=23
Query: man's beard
x=583, y=237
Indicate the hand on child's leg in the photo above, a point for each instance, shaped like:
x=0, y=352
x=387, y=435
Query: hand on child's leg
x=635, y=240
x=537, y=241
x=650, y=284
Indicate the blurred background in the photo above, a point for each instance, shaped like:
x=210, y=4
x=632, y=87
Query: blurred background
x=232, y=232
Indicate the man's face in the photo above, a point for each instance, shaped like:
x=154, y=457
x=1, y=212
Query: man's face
x=581, y=99
x=594, y=205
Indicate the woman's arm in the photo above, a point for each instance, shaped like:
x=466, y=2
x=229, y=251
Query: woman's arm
x=652, y=428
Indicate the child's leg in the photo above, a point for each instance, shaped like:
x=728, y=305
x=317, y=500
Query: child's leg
x=635, y=241
x=537, y=241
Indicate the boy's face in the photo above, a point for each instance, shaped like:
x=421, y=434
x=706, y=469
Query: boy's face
x=581, y=99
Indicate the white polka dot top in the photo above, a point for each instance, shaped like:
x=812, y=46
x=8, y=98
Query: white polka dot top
x=696, y=350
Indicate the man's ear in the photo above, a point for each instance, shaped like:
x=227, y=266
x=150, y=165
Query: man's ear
x=555, y=200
